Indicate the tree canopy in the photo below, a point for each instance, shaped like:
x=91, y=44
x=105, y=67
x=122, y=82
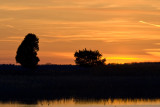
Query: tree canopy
x=27, y=51
x=89, y=58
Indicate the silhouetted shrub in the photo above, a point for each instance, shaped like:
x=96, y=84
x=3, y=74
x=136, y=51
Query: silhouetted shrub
x=89, y=58
x=27, y=51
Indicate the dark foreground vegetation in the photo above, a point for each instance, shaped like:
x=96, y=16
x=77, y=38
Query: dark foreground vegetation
x=49, y=82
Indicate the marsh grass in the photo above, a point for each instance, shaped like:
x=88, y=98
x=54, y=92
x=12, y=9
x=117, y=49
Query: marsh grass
x=68, y=81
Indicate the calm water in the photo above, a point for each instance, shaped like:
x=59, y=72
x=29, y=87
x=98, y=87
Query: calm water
x=88, y=103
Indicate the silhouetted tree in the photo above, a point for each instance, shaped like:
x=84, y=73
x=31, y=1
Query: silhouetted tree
x=27, y=51
x=89, y=58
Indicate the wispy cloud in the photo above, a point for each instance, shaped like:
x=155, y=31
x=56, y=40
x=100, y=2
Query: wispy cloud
x=15, y=8
x=154, y=53
x=15, y=37
x=7, y=40
x=59, y=54
x=5, y=19
x=9, y=26
x=149, y=23
x=153, y=50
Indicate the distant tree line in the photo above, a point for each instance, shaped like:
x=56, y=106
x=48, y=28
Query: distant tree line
x=27, y=54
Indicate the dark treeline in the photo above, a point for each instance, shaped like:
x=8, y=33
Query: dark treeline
x=133, y=69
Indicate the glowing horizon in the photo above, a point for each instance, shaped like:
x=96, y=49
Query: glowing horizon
x=123, y=31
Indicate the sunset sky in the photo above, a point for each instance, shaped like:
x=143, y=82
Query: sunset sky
x=122, y=30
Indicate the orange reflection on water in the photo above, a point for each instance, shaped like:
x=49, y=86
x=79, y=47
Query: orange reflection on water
x=72, y=102
x=87, y=103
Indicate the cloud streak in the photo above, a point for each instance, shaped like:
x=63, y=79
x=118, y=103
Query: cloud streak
x=149, y=23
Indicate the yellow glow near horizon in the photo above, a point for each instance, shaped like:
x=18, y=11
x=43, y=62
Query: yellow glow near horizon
x=122, y=59
x=126, y=58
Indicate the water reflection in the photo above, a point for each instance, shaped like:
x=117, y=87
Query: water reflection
x=103, y=102
x=87, y=103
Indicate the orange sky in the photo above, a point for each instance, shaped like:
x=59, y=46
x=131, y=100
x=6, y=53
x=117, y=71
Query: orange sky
x=122, y=30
